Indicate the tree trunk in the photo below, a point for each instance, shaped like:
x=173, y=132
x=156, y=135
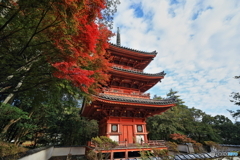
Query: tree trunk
x=25, y=68
x=11, y=122
x=11, y=133
x=35, y=140
x=20, y=135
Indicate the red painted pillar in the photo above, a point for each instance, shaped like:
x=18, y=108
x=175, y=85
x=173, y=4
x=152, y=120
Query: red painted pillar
x=126, y=154
x=145, y=135
x=111, y=157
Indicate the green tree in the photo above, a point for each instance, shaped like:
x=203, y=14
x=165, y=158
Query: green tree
x=173, y=93
x=227, y=130
x=161, y=126
x=76, y=130
x=236, y=100
x=10, y=115
x=42, y=106
x=169, y=122
x=182, y=120
x=199, y=126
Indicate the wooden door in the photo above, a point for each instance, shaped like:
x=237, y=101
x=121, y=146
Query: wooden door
x=128, y=133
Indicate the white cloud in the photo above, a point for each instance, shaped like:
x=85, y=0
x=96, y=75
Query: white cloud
x=197, y=43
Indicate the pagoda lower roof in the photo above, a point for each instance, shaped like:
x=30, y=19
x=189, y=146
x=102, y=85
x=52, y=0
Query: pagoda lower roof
x=139, y=73
x=137, y=100
x=134, y=50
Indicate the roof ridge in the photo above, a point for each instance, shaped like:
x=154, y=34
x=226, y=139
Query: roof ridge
x=153, y=52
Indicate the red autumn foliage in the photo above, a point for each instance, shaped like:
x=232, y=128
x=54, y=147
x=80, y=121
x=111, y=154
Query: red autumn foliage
x=81, y=42
x=74, y=34
x=179, y=138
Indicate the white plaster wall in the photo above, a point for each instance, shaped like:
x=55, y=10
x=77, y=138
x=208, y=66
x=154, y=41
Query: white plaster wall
x=114, y=138
x=139, y=138
x=63, y=151
x=182, y=148
x=190, y=148
x=41, y=155
x=231, y=149
x=227, y=158
x=234, y=158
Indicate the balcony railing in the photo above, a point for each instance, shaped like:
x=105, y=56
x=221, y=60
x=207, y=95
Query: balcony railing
x=125, y=144
x=128, y=68
x=120, y=92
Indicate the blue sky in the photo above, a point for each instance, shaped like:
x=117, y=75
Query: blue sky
x=198, y=45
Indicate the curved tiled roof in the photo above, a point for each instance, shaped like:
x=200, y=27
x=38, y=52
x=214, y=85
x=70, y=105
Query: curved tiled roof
x=137, y=72
x=152, y=53
x=138, y=100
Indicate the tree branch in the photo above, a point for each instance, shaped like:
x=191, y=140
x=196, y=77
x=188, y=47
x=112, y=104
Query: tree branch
x=10, y=19
x=35, y=31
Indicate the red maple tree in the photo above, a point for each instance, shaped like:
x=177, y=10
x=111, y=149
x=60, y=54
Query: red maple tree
x=180, y=138
x=82, y=42
x=68, y=34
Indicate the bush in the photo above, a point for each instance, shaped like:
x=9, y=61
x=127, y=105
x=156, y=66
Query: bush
x=7, y=149
x=101, y=143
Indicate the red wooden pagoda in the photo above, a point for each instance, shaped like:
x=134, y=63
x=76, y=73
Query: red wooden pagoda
x=123, y=106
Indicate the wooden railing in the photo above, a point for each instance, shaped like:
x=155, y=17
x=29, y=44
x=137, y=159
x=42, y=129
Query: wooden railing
x=120, y=92
x=125, y=144
x=156, y=143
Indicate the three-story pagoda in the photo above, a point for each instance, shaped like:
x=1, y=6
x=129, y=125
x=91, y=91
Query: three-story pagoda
x=123, y=106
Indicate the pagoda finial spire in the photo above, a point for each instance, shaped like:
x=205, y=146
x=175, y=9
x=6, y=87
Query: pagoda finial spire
x=118, y=37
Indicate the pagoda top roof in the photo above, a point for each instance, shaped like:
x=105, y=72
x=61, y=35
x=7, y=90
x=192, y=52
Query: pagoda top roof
x=139, y=72
x=134, y=50
x=166, y=101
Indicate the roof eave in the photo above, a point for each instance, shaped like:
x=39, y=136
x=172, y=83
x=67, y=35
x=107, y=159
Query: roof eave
x=133, y=50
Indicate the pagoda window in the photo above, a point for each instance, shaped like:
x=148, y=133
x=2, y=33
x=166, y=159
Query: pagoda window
x=139, y=114
x=129, y=114
x=111, y=113
x=116, y=62
x=124, y=114
x=139, y=128
x=114, y=128
x=135, y=86
x=124, y=63
x=115, y=83
x=126, y=85
x=114, y=113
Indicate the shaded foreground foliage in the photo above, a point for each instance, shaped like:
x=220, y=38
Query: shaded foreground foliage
x=100, y=143
x=50, y=126
x=7, y=149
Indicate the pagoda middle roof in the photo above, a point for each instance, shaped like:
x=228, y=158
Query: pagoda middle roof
x=134, y=50
x=166, y=101
x=138, y=72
